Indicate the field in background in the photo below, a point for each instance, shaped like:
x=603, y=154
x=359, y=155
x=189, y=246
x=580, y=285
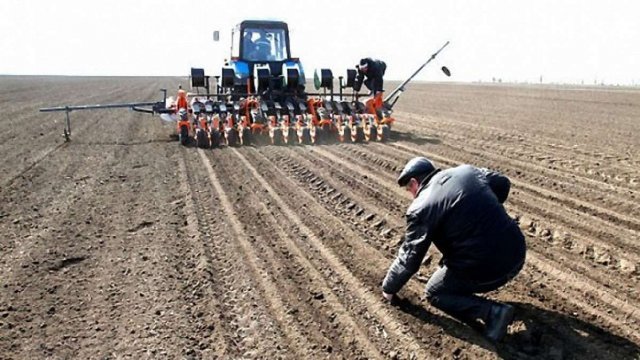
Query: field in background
x=122, y=243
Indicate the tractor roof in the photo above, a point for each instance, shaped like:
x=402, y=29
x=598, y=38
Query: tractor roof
x=269, y=24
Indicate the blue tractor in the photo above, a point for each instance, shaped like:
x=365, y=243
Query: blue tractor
x=260, y=97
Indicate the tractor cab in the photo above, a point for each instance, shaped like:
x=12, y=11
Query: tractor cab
x=261, y=59
x=262, y=41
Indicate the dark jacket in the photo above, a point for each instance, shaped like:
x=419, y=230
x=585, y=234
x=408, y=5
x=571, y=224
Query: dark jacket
x=374, y=75
x=460, y=210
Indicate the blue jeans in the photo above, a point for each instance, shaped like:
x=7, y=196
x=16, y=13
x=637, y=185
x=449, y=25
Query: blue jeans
x=455, y=295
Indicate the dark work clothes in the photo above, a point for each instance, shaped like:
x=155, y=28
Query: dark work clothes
x=460, y=210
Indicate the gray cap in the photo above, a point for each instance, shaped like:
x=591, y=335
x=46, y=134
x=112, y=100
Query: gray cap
x=415, y=168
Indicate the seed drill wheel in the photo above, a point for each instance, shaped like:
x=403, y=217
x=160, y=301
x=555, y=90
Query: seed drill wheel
x=291, y=136
x=202, y=139
x=384, y=132
x=316, y=135
x=328, y=135
x=232, y=137
x=276, y=137
x=345, y=137
x=371, y=133
x=184, y=135
x=245, y=136
x=216, y=139
x=304, y=137
x=357, y=134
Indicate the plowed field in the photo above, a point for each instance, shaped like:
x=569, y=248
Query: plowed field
x=124, y=244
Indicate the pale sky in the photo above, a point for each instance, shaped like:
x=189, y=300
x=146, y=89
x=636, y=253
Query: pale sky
x=517, y=40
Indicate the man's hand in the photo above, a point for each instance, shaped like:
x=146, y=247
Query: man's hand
x=388, y=297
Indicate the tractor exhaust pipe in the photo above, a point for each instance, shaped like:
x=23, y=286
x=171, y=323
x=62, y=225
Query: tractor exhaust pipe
x=395, y=94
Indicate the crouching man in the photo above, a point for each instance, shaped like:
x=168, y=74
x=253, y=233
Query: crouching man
x=460, y=210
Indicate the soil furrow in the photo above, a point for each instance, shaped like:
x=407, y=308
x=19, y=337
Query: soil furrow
x=601, y=255
x=591, y=241
x=630, y=310
x=415, y=291
x=299, y=342
x=290, y=258
x=212, y=271
x=627, y=223
x=374, y=303
x=579, y=168
x=622, y=235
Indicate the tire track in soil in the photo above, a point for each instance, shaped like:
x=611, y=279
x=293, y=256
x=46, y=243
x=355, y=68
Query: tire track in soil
x=375, y=305
x=321, y=191
x=577, y=281
x=298, y=343
x=336, y=243
x=198, y=233
x=340, y=330
x=380, y=202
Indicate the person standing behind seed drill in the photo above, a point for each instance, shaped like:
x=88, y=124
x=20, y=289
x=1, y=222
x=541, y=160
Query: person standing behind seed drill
x=373, y=70
x=460, y=210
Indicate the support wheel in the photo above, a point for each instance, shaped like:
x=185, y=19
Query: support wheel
x=358, y=134
x=384, y=133
x=317, y=135
x=372, y=134
x=291, y=136
x=216, y=139
x=346, y=134
x=305, y=136
x=202, y=139
x=232, y=137
x=245, y=137
x=276, y=137
x=184, y=135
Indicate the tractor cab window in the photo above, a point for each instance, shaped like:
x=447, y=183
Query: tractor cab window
x=264, y=44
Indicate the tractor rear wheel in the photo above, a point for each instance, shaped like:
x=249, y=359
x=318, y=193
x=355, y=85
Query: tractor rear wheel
x=184, y=135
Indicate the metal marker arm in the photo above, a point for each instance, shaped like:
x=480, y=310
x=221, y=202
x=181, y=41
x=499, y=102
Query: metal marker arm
x=395, y=94
x=156, y=107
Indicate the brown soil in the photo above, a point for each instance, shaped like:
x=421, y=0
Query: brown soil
x=123, y=244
